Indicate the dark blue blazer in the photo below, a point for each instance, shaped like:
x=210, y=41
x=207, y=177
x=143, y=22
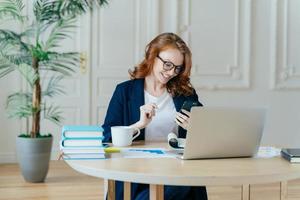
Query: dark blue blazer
x=124, y=110
x=124, y=107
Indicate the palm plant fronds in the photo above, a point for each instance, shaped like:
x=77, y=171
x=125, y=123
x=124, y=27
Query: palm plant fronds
x=63, y=63
x=12, y=8
x=78, y=7
x=67, y=56
x=35, y=48
x=50, y=11
x=64, y=70
x=20, y=111
x=38, y=53
x=19, y=105
x=59, y=32
x=6, y=67
x=14, y=55
x=28, y=73
x=53, y=114
x=53, y=87
x=46, y=11
x=19, y=97
x=29, y=32
x=18, y=59
x=10, y=38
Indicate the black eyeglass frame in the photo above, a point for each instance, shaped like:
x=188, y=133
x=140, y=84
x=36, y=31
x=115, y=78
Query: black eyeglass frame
x=178, y=68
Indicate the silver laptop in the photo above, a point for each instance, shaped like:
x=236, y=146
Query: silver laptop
x=223, y=132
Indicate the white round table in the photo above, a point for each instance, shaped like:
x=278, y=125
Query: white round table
x=172, y=171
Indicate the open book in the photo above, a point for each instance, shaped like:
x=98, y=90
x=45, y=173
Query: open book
x=175, y=142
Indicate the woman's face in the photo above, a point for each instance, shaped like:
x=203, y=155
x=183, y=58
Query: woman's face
x=171, y=55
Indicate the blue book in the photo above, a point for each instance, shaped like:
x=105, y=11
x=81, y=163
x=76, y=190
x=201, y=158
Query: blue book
x=81, y=142
x=82, y=132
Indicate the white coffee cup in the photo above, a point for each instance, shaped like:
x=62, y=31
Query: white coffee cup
x=123, y=136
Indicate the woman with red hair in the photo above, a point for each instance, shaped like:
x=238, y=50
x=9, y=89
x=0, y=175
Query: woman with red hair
x=151, y=102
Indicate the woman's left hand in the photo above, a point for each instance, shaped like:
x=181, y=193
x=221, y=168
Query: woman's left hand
x=183, y=120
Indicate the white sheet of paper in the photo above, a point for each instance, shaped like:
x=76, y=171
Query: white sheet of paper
x=146, y=153
x=268, y=152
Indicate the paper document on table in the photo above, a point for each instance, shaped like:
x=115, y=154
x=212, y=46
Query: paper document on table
x=268, y=152
x=146, y=153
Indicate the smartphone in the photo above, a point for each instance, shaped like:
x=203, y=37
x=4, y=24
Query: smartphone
x=187, y=105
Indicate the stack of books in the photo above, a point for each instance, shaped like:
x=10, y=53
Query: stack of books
x=82, y=142
x=292, y=155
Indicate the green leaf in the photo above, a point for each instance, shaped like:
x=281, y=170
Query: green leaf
x=46, y=11
x=12, y=8
x=53, y=87
x=63, y=63
x=49, y=11
x=20, y=111
x=11, y=59
x=13, y=55
x=18, y=59
x=30, y=31
x=59, y=69
x=10, y=39
x=39, y=53
x=5, y=66
x=28, y=73
x=74, y=8
x=19, y=97
x=18, y=105
x=59, y=32
x=53, y=114
x=5, y=71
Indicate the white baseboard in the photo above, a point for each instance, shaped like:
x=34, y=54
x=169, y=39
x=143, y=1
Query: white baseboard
x=11, y=157
x=8, y=157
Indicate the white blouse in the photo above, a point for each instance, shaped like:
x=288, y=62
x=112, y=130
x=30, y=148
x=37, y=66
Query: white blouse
x=164, y=120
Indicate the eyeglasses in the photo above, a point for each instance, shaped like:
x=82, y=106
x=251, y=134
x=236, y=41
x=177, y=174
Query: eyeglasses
x=167, y=65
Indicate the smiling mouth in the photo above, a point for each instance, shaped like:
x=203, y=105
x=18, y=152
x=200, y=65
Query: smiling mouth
x=166, y=77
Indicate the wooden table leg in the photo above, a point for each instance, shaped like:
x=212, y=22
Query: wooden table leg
x=246, y=192
x=111, y=190
x=127, y=190
x=156, y=192
x=283, y=190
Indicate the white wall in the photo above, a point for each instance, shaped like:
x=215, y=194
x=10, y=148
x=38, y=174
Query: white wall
x=245, y=53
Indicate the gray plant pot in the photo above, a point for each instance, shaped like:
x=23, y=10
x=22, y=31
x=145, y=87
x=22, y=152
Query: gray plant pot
x=33, y=157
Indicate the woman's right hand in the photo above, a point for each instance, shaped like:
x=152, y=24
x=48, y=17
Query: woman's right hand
x=147, y=112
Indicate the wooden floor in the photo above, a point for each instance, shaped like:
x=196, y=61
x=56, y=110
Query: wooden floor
x=63, y=183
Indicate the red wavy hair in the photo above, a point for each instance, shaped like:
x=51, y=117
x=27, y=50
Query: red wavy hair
x=180, y=84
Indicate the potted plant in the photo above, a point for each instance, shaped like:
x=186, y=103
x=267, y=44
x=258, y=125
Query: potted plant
x=32, y=52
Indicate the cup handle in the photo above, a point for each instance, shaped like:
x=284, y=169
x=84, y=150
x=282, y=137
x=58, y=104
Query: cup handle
x=137, y=134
